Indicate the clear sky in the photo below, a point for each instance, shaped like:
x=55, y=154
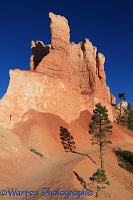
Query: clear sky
x=108, y=24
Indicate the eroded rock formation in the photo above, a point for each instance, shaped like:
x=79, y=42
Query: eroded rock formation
x=64, y=79
x=113, y=99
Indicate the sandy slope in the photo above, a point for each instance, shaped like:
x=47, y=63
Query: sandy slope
x=121, y=181
x=55, y=170
x=13, y=157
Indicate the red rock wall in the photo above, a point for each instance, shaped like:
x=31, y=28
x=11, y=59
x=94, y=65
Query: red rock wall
x=69, y=79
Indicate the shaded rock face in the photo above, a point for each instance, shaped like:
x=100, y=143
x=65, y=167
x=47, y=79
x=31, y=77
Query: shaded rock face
x=64, y=79
x=39, y=51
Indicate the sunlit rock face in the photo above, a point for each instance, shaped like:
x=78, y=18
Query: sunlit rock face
x=64, y=79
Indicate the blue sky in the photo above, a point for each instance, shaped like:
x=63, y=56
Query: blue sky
x=108, y=24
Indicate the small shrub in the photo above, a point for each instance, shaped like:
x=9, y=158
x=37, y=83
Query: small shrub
x=36, y=152
x=99, y=179
x=125, y=159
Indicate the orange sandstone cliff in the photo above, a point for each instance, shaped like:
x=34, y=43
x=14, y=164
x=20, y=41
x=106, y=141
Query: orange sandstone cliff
x=64, y=79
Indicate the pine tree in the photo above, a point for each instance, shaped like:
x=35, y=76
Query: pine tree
x=101, y=129
x=100, y=178
x=130, y=119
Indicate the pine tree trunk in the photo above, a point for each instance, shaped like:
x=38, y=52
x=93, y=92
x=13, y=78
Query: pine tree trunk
x=101, y=156
x=101, y=147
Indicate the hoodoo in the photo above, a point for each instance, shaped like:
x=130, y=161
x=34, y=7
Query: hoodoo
x=64, y=79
